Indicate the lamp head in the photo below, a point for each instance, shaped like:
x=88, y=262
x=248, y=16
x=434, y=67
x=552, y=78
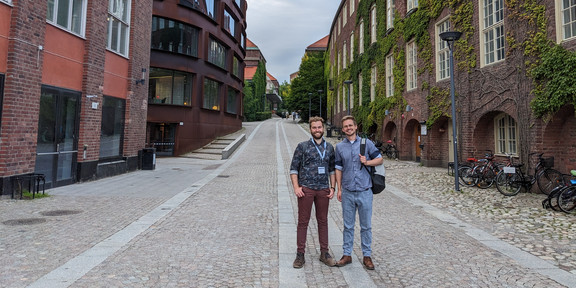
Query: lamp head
x=348, y=82
x=450, y=36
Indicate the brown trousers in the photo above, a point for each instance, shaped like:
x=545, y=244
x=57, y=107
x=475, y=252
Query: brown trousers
x=321, y=201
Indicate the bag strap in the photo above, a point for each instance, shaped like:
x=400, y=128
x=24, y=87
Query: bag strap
x=363, y=152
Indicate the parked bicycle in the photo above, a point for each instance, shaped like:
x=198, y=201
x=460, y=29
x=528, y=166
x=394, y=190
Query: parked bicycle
x=390, y=150
x=567, y=197
x=511, y=179
x=485, y=173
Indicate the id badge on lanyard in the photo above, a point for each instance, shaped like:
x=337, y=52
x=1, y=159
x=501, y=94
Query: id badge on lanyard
x=322, y=168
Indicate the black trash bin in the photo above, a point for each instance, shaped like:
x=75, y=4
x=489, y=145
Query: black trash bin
x=329, y=132
x=149, y=159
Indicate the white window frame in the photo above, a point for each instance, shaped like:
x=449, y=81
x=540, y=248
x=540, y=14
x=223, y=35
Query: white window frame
x=361, y=41
x=75, y=27
x=344, y=56
x=338, y=108
x=411, y=66
x=493, y=35
x=122, y=34
x=505, y=134
x=390, y=75
x=389, y=14
x=351, y=47
x=565, y=21
x=442, y=52
x=9, y=2
x=345, y=15
x=373, y=23
x=360, y=88
x=412, y=4
x=373, y=81
x=352, y=7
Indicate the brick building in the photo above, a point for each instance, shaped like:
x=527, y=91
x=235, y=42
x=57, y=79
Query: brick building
x=196, y=73
x=73, y=105
x=400, y=76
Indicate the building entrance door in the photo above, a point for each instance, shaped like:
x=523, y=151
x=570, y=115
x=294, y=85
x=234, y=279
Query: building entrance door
x=57, y=150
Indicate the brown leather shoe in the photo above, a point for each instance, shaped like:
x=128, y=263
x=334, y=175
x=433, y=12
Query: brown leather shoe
x=327, y=259
x=345, y=260
x=368, y=263
x=299, y=261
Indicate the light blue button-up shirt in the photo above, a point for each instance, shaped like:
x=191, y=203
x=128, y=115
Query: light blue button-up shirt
x=354, y=176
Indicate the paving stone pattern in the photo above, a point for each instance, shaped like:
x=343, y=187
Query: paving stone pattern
x=226, y=232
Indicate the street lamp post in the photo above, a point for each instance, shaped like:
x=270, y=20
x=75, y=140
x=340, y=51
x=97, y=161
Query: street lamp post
x=450, y=37
x=348, y=82
x=320, y=93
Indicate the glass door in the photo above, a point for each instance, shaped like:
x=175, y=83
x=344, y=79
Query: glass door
x=57, y=150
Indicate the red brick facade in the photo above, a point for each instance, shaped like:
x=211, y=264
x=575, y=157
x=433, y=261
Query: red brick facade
x=39, y=56
x=483, y=94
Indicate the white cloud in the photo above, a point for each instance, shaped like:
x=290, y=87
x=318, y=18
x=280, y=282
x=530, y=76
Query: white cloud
x=282, y=29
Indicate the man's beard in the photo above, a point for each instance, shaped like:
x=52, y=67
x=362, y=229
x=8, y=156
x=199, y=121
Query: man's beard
x=319, y=136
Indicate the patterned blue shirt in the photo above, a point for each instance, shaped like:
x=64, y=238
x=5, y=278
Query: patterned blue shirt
x=354, y=176
x=306, y=162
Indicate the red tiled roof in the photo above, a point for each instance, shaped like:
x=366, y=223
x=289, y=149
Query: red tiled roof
x=322, y=43
x=270, y=76
x=250, y=44
x=249, y=72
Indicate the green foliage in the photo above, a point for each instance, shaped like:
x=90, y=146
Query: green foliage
x=253, y=93
x=304, y=88
x=555, y=81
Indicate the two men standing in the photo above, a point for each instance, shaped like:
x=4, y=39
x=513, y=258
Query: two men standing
x=315, y=169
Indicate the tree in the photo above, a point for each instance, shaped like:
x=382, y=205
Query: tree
x=254, y=91
x=304, y=88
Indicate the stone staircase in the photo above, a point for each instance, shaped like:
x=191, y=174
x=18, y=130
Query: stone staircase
x=219, y=149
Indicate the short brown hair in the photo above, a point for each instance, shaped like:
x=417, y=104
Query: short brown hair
x=315, y=119
x=348, y=117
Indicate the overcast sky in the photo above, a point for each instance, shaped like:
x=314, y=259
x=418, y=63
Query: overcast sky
x=282, y=29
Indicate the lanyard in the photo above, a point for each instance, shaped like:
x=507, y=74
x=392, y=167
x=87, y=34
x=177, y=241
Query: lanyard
x=316, y=146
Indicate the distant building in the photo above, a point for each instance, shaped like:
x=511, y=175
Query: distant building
x=196, y=73
x=73, y=88
x=253, y=57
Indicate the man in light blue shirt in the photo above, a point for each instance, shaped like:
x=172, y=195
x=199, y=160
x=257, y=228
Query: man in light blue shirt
x=354, y=190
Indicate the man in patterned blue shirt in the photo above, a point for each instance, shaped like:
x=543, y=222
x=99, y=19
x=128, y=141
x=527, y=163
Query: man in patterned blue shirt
x=312, y=172
x=354, y=190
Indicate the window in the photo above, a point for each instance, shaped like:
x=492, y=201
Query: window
x=112, y=127
x=373, y=81
x=360, y=89
x=345, y=15
x=6, y=1
x=373, y=24
x=506, y=134
x=568, y=19
x=443, y=52
x=232, y=101
x=352, y=6
x=339, y=60
x=211, y=94
x=217, y=54
x=243, y=41
x=236, y=67
x=118, y=26
x=361, y=40
x=390, y=75
x=229, y=23
x=344, y=55
x=492, y=31
x=170, y=87
x=345, y=99
x=411, y=66
x=174, y=36
x=412, y=4
x=69, y=15
x=351, y=47
x=211, y=9
x=389, y=14
x=239, y=3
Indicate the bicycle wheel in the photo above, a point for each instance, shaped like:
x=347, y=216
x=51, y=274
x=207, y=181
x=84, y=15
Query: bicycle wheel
x=391, y=153
x=549, y=179
x=508, y=183
x=567, y=199
x=466, y=175
x=485, y=176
